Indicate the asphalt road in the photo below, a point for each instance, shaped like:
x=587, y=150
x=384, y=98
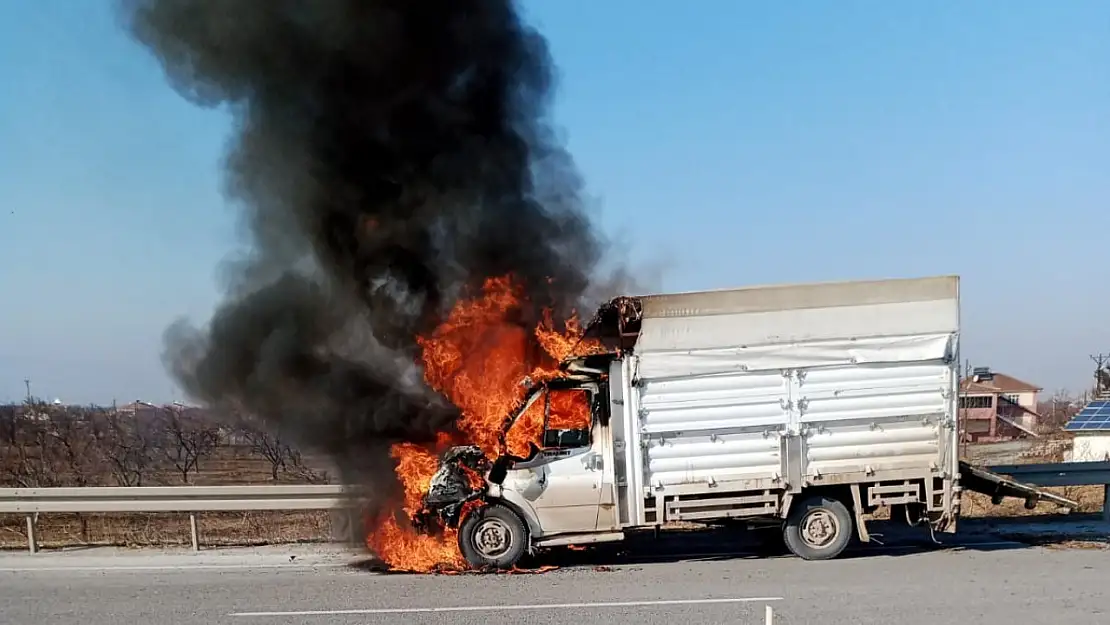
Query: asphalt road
x=996, y=582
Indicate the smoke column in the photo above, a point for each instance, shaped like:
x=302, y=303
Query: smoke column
x=386, y=156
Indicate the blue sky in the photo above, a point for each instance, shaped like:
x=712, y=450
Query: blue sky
x=729, y=142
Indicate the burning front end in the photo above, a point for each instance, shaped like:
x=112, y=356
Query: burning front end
x=459, y=481
x=553, y=425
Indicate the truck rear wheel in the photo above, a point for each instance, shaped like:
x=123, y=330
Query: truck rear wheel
x=493, y=536
x=818, y=528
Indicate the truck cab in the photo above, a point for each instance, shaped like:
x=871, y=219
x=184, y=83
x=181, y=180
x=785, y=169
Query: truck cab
x=563, y=486
x=559, y=485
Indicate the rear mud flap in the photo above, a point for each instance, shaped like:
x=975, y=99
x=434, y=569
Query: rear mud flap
x=998, y=486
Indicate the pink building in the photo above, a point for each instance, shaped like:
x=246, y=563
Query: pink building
x=997, y=407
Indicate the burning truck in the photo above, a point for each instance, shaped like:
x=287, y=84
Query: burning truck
x=809, y=407
x=416, y=233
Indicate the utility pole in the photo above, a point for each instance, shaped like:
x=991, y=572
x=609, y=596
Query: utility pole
x=1100, y=362
x=27, y=383
x=961, y=421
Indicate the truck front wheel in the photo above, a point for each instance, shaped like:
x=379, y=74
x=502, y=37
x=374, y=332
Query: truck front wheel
x=818, y=528
x=493, y=536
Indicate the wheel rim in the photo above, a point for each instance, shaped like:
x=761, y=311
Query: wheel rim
x=819, y=528
x=493, y=538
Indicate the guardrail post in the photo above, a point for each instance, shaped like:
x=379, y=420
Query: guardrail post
x=193, y=531
x=1106, y=503
x=769, y=616
x=32, y=540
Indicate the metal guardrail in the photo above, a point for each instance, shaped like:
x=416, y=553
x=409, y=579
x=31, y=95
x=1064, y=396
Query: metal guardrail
x=194, y=499
x=171, y=498
x=1062, y=474
x=1057, y=474
x=191, y=499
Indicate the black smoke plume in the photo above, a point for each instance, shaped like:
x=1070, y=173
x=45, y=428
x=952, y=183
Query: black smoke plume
x=387, y=156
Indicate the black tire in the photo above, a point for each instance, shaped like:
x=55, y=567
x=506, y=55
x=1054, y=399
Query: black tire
x=818, y=528
x=493, y=536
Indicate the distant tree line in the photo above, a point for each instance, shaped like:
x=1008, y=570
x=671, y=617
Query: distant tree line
x=1058, y=409
x=45, y=445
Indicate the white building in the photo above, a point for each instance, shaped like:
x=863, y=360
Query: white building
x=1091, y=427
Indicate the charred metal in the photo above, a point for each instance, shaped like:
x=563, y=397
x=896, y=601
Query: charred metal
x=453, y=486
x=617, y=323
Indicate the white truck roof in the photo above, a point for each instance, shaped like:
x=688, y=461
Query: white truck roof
x=798, y=325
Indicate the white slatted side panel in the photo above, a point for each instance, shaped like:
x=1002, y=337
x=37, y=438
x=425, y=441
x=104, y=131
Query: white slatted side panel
x=721, y=427
x=882, y=416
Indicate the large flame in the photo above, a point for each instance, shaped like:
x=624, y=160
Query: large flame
x=477, y=358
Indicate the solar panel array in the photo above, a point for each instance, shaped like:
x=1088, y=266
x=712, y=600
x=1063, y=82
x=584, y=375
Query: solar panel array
x=1095, y=416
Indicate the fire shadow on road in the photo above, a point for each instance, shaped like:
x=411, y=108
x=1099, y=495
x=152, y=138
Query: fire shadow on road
x=718, y=544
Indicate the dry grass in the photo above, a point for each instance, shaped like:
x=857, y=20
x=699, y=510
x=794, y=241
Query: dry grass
x=1090, y=500
x=228, y=466
x=231, y=466
x=1033, y=451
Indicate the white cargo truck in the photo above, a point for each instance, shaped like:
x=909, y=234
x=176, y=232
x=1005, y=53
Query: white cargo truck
x=805, y=406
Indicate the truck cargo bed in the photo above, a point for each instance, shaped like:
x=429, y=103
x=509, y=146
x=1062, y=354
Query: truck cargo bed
x=768, y=390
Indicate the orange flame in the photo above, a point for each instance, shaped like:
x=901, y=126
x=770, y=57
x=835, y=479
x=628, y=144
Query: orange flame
x=478, y=359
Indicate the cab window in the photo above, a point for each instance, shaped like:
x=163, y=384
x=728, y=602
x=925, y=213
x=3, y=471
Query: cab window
x=568, y=420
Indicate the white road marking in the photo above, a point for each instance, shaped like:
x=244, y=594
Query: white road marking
x=512, y=608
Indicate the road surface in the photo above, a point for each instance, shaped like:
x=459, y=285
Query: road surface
x=986, y=582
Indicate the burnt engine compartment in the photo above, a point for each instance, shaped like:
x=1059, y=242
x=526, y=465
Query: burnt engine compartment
x=458, y=481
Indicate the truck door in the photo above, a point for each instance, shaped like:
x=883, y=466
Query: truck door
x=570, y=467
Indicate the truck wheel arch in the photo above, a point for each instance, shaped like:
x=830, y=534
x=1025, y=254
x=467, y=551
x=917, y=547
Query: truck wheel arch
x=493, y=536
x=522, y=509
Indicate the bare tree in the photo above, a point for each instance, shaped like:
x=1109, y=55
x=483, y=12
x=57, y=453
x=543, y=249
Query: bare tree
x=27, y=461
x=130, y=446
x=72, y=436
x=296, y=466
x=273, y=446
x=1056, y=411
x=189, y=438
x=9, y=422
x=269, y=445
